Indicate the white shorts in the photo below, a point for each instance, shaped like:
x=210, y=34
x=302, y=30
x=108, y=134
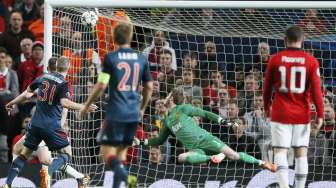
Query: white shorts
x=289, y=135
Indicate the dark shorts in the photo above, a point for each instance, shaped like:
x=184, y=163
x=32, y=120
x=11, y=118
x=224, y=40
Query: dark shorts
x=117, y=133
x=55, y=139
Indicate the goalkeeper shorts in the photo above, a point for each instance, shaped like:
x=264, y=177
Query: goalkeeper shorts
x=211, y=144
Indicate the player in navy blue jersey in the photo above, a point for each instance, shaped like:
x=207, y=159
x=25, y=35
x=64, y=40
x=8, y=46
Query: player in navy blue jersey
x=123, y=70
x=52, y=97
x=43, y=154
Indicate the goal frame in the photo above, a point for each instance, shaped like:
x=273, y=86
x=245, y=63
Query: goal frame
x=50, y=4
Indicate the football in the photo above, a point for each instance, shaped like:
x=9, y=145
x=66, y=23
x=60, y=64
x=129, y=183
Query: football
x=89, y=18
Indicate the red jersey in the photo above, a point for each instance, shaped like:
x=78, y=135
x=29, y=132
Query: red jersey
x=294, y=76
x=28, y=71
x=2, y=82
x=16, y=139
x=211, y=94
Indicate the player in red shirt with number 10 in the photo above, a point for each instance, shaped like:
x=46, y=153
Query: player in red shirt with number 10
x=294, y=76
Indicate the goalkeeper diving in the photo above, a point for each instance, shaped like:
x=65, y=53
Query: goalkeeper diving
x=202, y=146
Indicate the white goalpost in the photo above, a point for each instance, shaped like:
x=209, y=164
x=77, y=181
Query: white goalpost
x=235, y=30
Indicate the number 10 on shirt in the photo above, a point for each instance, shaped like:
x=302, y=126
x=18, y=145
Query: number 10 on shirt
x=292, y=84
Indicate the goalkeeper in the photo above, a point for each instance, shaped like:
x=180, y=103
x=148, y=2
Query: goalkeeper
x=202, y=146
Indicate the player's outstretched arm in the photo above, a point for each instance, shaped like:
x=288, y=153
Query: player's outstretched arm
x=28, y=93
x=146, y=95
x=192, y=111
x=19, y=99
x=66, y=103
x=99, y=89
x=163, y=136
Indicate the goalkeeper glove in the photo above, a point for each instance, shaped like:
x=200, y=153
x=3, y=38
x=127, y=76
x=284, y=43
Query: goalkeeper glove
x=228, y=123
x=137, y=142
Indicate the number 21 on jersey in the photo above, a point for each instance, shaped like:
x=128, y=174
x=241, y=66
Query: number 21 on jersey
x=123, y=86
x=293, y=71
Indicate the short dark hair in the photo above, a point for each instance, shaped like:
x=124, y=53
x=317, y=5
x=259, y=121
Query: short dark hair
x=52, y=64
x=242, y=119
x=216, y=72
x=194, y=73
x=3, y=50
x=294, y=34
x=239, y=67
x=234, y=101
x=165, y=51
x=178, y=96
x=15, y=11
x=192, y=55
x=189, y=70
x=122, y=33
x=251, y=76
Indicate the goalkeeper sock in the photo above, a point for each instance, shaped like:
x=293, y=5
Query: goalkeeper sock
x=280, y=159
x=16, y=167
x=120, y=173
x=57, y=163
x=301, y=171
x=197, y=158
x=246, y=158
x=72, y=172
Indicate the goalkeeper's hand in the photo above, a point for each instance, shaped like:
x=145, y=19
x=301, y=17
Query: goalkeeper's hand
x=229, y=123
x=137, y=142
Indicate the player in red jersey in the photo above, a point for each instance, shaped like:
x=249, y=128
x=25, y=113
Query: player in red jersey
x=294, y=76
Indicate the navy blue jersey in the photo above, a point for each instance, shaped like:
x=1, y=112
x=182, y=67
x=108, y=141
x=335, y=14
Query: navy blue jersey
x=126, y=68
x=52, y=87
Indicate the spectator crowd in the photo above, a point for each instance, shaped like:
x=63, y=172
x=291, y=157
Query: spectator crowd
x=232, y=90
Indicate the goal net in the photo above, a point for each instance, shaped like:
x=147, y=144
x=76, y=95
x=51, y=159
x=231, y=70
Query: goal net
x=218, y=56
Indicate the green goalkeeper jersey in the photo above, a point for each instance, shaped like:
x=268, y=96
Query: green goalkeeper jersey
x=180, y=122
